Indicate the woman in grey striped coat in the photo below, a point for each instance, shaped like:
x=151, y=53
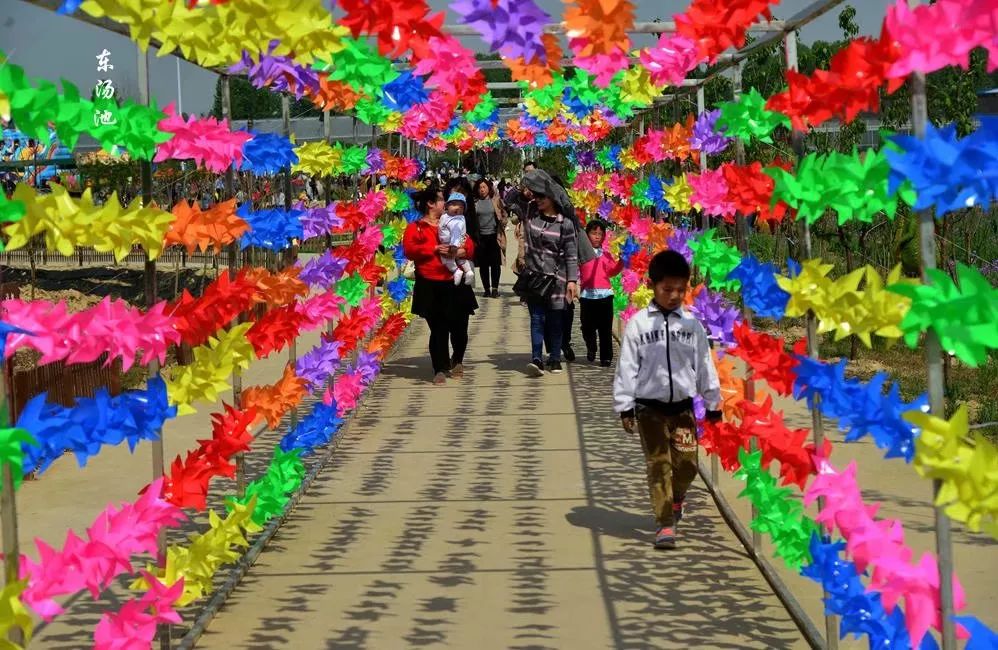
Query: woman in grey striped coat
x=550, y=249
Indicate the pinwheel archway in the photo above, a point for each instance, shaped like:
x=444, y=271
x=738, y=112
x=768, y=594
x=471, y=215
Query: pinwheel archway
x=395, y=66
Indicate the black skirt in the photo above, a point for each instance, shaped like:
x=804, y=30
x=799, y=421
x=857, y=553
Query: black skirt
x=488, y=253
x=434, y=299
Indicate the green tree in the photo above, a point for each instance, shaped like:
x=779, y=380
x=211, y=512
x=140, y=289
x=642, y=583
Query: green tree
x=250, y=103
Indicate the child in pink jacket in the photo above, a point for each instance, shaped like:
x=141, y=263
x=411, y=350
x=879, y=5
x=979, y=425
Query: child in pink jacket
x=596, y=296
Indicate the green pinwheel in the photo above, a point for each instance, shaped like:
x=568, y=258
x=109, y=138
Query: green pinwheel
x=748, y=118
x=964, y=316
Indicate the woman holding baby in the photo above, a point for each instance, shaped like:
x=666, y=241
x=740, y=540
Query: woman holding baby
x=445, y=304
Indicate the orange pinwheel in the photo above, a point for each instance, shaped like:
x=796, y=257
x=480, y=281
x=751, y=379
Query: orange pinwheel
x=206, y=230
x=276, y=289
x=272, y=402
x=599, y=26
x=334, y=95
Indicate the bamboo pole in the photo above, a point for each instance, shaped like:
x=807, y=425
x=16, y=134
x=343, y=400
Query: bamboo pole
x=811, y=324
x=163, y=630
x=289, y=257
x=741, y=238
x=936, y=380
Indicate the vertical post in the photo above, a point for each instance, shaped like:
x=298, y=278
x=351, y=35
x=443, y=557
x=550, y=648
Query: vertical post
x=8, y=507
x=286, y=118
x=715, y=469
x=233, y=263
x=811, y=325
x=741, y=238
x=934, y=363
x=180, y=91
x=701, y=109
x=163, y=630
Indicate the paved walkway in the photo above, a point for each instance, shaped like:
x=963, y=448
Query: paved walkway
x=496, y=512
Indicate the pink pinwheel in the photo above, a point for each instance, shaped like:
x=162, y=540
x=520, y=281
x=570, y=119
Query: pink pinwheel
x=373, y=204
x=603, y=66
x=133, y=627
x=586, y=182
x=932, y=37
x=319, y=309
x=880, y=546
x=671, y=59
x=710, y=194
x=640, y=229
x=369, y=239
x=628, y=313
x=346, y=390
x=630, y=281
x=114, y=537
x=205, y=140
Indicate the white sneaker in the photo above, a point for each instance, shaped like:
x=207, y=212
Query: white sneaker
x=458, y=276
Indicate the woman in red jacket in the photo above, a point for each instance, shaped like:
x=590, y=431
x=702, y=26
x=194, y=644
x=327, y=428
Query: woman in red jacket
x=445, y=307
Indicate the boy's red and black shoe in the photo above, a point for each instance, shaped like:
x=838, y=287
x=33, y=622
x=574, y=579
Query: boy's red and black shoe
x=665, y=538
x=677, y=511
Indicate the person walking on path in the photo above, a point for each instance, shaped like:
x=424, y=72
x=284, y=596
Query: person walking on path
x=445, y=306
x=596, y=297
x=492, y=235
x=550, y=272
x=540, y=182
x=665, y=361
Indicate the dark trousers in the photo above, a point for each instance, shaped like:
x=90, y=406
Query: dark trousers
x=445, y=332
x=489, y=260
x=597, y=323
x=545, y=329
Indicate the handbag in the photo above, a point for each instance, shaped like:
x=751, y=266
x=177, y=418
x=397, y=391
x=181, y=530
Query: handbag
x=534, y=286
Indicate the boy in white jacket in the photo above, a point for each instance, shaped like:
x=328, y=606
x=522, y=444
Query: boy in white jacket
x=665, y=361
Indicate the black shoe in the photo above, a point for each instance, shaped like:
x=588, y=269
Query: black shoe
x=568, y=353
x=535, y=368
x=495, y=293
x=554, y=367
x=591, y=355
x=486, y=294
x=606, y=363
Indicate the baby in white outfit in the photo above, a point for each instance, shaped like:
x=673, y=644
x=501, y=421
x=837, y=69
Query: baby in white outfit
x=453, y=231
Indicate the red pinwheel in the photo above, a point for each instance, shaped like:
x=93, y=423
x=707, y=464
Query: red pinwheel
x=275, y=330
x=197, y=319
x=187, y=484
x=766, y=355
x=750, y=190
x=716, y=25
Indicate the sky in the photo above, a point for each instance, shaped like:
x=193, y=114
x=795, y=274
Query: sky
x=53, y=47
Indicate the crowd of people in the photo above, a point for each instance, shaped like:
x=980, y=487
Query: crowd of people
x=665, y=359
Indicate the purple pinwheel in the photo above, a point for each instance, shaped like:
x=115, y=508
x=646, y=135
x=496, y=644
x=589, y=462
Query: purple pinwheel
x=705, y=137
x=375, y=161
x=717, y=315
x=605, y=209
x=319, y=220
x=679, y=241
x=280, y=73
x=319, y=363
x=586, y=158
x=323, y=271
x=511, y=27
x=367, y=366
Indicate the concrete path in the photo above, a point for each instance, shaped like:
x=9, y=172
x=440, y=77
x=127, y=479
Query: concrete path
x=498, y=511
